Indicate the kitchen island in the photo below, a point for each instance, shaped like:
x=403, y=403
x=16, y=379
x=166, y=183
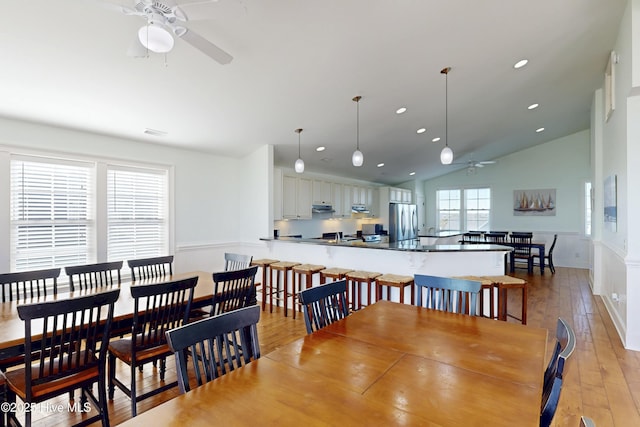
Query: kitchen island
x=407, y=257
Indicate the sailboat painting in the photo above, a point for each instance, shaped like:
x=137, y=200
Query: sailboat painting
x=534, y=202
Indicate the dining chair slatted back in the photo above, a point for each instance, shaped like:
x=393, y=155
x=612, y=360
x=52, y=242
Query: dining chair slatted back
x=233, y=290
x=522, y=249
x=91, y=276
x=29, y=284
x=472, y=237
x=322, y=305
x=65, y=348
x=157, y=309
x=447, y=294
x=149, y=268
x=236, y=261
x=495, y=237
x=215, y=345
x=554, y=373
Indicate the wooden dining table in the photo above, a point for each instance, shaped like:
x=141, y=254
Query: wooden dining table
x=389, y=364
x=12, y=327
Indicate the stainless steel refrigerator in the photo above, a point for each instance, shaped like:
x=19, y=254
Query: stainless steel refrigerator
x=403, y=222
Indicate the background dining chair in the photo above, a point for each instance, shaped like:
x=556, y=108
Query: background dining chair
x=549, y=256
x=29, y=284
x=215, y=345
x=157, y=309
x=493, y=237
x=90, y=276
x=149, y=268
x=233, y=290
x=447, y=294
x=236, y=261
x=72, y=338
x=553, y=375
x=586, y=422
x=522, y=250
x=322, y=305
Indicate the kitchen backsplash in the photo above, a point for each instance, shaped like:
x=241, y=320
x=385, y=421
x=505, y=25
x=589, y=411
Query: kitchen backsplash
x=315, y=227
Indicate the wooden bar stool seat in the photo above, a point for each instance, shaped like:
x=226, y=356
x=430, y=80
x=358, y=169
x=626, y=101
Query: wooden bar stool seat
x=395, y=281
x=487, y=285
x=334, y=273
x=356, y=279
x=504, y=283
x=265, y=286
x=283, y=267
x=307, y=271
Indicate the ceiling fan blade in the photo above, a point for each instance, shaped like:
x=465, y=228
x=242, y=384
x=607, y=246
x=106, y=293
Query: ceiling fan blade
x=206, y=47
x=487, y=162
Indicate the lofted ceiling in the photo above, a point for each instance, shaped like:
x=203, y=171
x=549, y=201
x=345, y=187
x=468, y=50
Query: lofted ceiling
x=299, y=63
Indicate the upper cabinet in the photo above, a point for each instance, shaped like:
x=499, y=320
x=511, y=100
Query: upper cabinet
x=399, y=195
x=296, y=197
x=322, y=192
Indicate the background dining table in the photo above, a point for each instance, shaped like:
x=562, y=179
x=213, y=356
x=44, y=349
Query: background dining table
x=388, y=364
x=12, y=327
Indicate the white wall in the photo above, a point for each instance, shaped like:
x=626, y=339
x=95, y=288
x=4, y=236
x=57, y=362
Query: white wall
x=219, y=201
x=562, y=164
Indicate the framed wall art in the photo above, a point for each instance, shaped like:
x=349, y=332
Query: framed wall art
x=534, y=202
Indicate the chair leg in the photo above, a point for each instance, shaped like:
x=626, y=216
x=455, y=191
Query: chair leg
x=112, y=375
x=163, y=368
x=551, y=266
x=102, y=397
x=134, y=411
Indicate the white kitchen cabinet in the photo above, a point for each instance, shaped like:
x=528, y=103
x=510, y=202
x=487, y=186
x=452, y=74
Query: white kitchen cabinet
x=296, y=197
x=347, y=199
x=321, y=192
x=277, y=194
x=337, y=199
x=399, y=195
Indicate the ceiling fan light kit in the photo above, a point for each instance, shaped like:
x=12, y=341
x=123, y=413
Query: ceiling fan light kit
x=357, y=159
x=446, y=155
x=155, y=38
x=299, y=165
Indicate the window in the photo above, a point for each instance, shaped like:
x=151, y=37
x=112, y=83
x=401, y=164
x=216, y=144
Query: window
x=137, y=225
x=477, y=202
x=469, y=213
x=448, y=209
x=52, y=215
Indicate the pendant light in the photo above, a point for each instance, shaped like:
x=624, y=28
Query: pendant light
x=357, y=158
x=299, y=166
x=446, y=155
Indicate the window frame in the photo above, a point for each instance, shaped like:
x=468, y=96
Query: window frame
x=463, y=211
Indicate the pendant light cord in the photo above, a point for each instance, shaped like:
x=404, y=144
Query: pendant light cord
x=358, y=124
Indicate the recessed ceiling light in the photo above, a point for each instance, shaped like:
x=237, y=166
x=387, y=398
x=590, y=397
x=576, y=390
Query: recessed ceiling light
x=533, y=106
x=321, y=148
x=421, y=130
x=380, y=165
x=412, y=173
x=539, y=130
x=436, y=139
x=401, y=110
x=520, y=63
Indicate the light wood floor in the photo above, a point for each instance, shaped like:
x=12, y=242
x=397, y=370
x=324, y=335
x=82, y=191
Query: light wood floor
x=602, y=380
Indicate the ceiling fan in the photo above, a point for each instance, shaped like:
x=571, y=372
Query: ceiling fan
x=472, y=165
x=164, y=20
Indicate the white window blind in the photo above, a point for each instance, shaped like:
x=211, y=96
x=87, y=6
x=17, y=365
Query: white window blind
x=52, y=215
x=137, y=225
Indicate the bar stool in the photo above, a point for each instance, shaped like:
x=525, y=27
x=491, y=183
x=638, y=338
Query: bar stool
x=487, y=284
x=356, y=279
x=334, y=274
x=395, y=281
x=503, y=284
x=306, y=270
x=264, y=264
x=283, y=267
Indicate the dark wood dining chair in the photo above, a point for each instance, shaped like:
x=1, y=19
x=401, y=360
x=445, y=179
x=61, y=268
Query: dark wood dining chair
x=233, y=290
x=215, y=345
x=495, y=237
x=91, y=276
x=157, y=309
x=521, y=250
x=29, y=284
x=149, y=268
x=322, y=305
x=548, y=257
x=447, y=294
x=71, y=336
x=554, y=374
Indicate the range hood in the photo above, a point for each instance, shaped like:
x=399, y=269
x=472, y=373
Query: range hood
x=359, y=209
x=322, y=209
